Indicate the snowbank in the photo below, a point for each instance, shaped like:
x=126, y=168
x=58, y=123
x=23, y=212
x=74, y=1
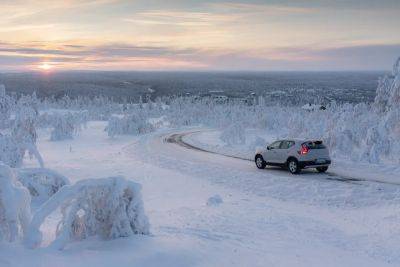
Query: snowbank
x=14, y=206
x=109, y=208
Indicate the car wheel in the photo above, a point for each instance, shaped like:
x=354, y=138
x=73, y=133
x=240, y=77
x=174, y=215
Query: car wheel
x=293, y=166
x=322, y=169
x=260, y=162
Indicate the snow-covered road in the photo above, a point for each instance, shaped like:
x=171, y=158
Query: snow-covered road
x=346, y=215
x=267, y=217
x=178, y=138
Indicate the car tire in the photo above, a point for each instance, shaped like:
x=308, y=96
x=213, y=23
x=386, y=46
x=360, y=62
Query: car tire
x=322, y=169
x=260, y=162
x=293, y=166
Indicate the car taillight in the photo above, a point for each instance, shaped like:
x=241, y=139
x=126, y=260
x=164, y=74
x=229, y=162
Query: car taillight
x=303, y=150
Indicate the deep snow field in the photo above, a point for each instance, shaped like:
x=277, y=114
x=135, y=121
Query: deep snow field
x=266, y=218
x=171, y=182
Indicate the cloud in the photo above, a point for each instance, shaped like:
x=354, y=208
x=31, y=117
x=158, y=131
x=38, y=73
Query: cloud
x=130, y=57
x=70, y=56
x=265, y=9
x=181, y=18
x=213, y=14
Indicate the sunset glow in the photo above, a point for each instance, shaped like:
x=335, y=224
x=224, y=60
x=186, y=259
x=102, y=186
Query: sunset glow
x=199, y=35
x=45, y=66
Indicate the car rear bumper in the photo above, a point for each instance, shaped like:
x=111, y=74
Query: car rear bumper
x=313, y=164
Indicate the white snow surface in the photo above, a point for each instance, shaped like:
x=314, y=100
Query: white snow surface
x=268, y=217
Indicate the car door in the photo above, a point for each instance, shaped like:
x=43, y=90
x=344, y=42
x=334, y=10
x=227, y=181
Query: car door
x=271, y=154
x=283, y=151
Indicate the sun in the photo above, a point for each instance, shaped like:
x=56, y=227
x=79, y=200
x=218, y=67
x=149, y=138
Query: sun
x=45, y=66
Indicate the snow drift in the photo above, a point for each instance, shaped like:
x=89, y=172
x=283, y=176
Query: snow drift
x=14, y=206
x=108, y=208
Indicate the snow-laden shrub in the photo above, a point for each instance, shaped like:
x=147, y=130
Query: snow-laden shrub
x=383, y=139
x=214, y=200
x=14, y=206
x=5, y=107
x=23, y=131
x=109, y=208
x=234, y=134
x=50, y=118
x=133, y=124
x=63, y=129
x=257, y=143
x=65, y=125
x=10, y=152
x=42, y=183
x=388, y=91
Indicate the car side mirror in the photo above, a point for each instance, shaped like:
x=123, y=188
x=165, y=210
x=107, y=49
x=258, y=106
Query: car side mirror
x=268, y=148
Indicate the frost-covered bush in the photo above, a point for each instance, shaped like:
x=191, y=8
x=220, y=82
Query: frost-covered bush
x=388, y=91
x=23, y=131
x=5, y=107
x=10, y=152
x=109, y=208
x=258, y=143
x=21, y=135
x=234, y=134
x=49, y=118
x=214, y=200
x=42, y=183
x=133, y=124
x=64, y=128
x=14, y=206
x=65, y=124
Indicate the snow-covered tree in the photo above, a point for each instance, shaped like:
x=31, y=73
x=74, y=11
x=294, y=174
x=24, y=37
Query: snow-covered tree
x=14, y=206
x=234, y=134
x=5, y=107
x=24, y=128
x=133, y=124
x=64, y=127
x=10, y=151
x=108, y=208
x=42, y=183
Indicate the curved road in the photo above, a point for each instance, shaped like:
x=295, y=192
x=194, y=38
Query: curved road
x=177, y=138
x=270, y=210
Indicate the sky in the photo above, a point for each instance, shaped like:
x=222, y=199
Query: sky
x=45, y=35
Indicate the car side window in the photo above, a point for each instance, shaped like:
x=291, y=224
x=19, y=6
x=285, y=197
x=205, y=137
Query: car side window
x=286, y=144
x=275, y=145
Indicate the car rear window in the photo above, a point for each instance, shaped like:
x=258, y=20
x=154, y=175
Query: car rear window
x=315, y=145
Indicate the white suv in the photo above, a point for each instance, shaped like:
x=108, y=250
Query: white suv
x=295, y=155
